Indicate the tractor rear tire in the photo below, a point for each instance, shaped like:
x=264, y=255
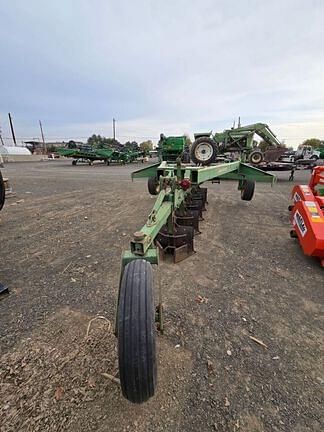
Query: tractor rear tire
x=136, y=332
x=2, y=192
x=153, y=185
x=248, y=190
x=203, y=151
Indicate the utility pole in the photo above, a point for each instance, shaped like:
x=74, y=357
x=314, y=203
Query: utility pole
x=1, y=136
x=12, y=129
x=114, y=128
x=42, y=134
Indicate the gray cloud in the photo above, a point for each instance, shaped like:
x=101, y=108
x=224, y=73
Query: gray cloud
x=177, y=66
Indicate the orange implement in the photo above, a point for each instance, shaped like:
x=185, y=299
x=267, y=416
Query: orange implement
x=307, y=214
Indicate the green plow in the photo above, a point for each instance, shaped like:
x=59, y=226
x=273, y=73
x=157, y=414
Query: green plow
x=168, y=233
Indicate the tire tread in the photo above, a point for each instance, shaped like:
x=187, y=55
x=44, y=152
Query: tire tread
x=136, y=337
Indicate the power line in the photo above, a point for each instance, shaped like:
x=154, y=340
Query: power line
x=84, y=137
x=114, y=128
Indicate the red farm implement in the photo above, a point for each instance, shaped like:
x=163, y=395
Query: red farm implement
x=307, y=215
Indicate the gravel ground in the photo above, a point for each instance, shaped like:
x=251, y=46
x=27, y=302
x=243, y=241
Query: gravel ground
x=61, y=240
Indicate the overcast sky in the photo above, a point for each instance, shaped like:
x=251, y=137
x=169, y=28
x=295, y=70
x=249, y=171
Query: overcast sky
x=171, y=66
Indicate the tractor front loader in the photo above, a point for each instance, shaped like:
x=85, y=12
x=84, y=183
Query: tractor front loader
x=240, y=140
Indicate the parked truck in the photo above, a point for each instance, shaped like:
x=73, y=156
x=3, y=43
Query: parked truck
x=308, y=152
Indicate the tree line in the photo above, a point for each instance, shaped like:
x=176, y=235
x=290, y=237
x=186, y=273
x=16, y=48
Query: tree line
x=98, y=141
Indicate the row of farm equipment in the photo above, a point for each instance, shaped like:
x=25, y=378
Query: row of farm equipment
x=228, y=145
x=88, y=154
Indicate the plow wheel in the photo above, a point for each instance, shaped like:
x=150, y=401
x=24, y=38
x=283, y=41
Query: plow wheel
x=248, y=190
x=136, y=332
x=153, y=185
x=2, y=192
x=203, y=151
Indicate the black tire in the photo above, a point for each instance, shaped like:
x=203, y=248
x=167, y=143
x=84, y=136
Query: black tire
x=256, y=157
x=2, y=192
x=194, y=151
x=186, y=158
x=153, y=185
x=314, y=157
x=136, y=332
x=248, y=190
x=74, y=162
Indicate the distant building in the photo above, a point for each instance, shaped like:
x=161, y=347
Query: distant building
x=14, y=153
x=37, y=147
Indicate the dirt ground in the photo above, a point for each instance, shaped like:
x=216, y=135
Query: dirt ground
x=61, y=240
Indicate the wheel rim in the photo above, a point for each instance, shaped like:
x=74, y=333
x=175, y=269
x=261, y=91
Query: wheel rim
x=204, y=151
x=256, y=158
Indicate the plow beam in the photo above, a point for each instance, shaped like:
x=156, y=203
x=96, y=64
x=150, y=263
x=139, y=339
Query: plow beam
x=199, y=174
x=248, y=172
x=146, y=172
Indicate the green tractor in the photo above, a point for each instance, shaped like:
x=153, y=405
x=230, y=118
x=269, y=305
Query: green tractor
x=207, y=147
x=172, y=147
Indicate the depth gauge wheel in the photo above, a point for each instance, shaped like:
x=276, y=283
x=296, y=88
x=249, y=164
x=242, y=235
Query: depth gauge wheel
x=136, y=332
x=248, y=190
x=153, y=185
x=2, y=192
x=203, y=151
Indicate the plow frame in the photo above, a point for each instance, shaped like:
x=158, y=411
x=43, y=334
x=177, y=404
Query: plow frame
x=172, y=197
